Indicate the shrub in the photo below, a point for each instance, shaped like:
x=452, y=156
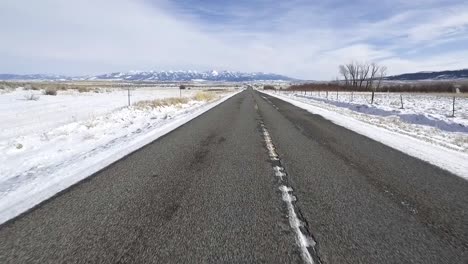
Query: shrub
x=6, y=87
x=31, y=97
x=50, y=91
x=463, y=88
x=268, y=87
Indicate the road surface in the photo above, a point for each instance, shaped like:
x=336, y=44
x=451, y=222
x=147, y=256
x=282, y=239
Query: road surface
x=208, y=193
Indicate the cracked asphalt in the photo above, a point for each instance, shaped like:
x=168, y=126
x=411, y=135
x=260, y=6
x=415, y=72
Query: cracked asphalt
x=206, y=193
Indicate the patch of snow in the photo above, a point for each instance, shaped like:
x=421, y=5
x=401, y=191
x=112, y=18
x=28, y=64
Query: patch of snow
x=279, y=172
x=296, y=224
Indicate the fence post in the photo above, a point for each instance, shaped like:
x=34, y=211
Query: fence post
x=401, y=100
x=128, y=95
x=453, y=107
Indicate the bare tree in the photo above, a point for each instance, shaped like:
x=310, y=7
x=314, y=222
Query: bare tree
x=358, y=74
x=363, y=71
x=345, y=73
x=382, y=72
x=374, y=68
x=382, y=75
x=353, y=72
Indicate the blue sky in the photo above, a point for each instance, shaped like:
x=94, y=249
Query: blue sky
x=299, y=38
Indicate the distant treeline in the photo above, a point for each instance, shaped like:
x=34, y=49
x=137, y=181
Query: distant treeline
x=429, y=87
x=268, y=87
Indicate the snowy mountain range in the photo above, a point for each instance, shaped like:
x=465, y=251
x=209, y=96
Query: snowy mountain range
x=218, y=76
x=439, y=75
x=162, y=76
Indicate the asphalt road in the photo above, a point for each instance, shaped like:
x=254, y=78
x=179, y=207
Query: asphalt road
x=207, y=193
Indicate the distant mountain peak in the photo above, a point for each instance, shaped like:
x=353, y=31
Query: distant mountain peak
x=431, y=75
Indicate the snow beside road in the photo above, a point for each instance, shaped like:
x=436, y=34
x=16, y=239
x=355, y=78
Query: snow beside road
x=37, y=163
x=437, y=139
x=21, y=117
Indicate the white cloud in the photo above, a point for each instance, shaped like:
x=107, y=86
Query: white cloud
x=445, y=24
x=87, y=37
x=448, y=61
x=122, y=33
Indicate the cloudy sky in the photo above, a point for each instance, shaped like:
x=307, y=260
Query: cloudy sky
x=299, y=38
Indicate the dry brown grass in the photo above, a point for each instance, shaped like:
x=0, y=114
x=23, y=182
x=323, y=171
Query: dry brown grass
x=4, y=85
x=84, y=89
x=174, y=101
x=161, y=102
x=204, y=96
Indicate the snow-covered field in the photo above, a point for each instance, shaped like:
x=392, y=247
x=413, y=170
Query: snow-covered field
x=423, y=128
x=56, y=141
x=21, y=117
